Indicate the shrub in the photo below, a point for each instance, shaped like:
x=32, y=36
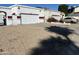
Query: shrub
x=52, y=20
x=61, y=21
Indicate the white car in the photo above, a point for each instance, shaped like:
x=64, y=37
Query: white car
x=70, y=20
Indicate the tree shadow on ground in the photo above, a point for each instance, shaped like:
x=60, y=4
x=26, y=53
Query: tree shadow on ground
x=57, y=45
x=60, y=30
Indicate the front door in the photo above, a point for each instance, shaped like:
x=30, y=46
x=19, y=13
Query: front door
x=2, y=18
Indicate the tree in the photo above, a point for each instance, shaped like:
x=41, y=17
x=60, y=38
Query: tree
x=63, y=8
x=71, y=9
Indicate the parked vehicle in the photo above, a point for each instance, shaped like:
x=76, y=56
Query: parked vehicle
x=69, y=20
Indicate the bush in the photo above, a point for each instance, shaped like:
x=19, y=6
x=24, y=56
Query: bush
x=61, y=21
x=52, y=20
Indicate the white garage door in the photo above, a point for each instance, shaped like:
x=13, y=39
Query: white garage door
x=29, y=19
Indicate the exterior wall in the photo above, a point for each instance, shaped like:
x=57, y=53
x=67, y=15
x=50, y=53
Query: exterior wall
x=58, y=15
x=41, y=15
x=49, y=13
x=24, y=10
x=55, y=14
x=8, y=11
x=14, y=10
x=29, y=10
x=76, y=9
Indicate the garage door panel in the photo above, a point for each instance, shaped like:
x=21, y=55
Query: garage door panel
x=28, y=19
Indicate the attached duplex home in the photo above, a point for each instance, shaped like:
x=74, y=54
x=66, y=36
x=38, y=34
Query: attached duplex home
x=21, y=14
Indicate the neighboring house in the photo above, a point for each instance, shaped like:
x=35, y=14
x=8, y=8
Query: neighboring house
x=20, y=14
x=58, y=15
x=75, y=13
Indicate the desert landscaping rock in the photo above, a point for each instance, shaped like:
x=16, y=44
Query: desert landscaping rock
x=20, y=39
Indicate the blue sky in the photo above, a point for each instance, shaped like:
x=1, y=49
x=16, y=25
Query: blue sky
x=50, y=6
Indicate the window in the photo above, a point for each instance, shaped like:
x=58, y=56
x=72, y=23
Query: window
x=9, y=16
x=41, y=17
x=18, y=16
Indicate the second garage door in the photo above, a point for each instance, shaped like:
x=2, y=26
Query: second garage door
x=29, y=18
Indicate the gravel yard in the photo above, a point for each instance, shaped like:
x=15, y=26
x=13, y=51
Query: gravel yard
x=21, y=39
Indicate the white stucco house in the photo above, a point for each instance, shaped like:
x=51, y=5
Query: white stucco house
x=20, y=14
